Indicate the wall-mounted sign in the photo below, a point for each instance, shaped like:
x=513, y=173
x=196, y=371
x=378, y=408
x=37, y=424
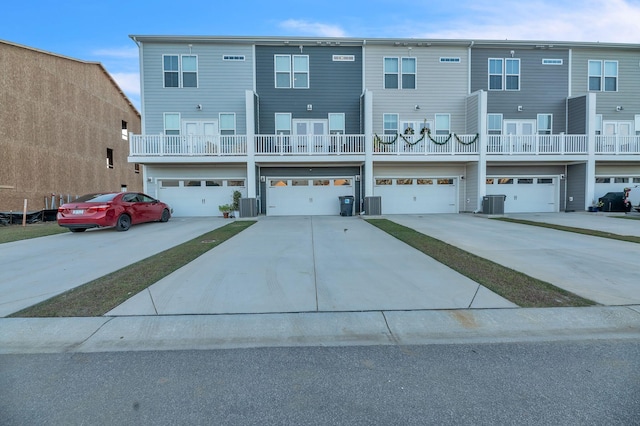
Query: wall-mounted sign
x=344, y=58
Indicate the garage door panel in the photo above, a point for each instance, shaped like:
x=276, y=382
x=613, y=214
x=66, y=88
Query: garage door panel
x=189, y=200
x=291, y=197
x=417, y=195
x=526, y=194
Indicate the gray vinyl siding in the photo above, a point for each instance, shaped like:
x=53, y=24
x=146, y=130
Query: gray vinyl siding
x=470, y=184
x=472, y=106
x=334, y=86
x=577, y=116
x=628, y=94
x=543, y=88
x=441, y=88
x=576, y=186
x=221, y=84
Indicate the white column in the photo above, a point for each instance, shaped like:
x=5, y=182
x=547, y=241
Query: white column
x=368, y=143
x=251, y=151
x=590, y=175
x=482, y=147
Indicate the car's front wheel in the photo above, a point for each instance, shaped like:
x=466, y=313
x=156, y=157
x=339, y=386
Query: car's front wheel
x=123, y=223
x=165, y=215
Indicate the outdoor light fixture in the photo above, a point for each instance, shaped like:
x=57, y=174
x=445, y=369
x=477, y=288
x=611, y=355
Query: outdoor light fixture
x=619, y=108
x=520, y=108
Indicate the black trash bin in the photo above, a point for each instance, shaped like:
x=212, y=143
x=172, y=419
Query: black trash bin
x=346, y=205
x=614, y=202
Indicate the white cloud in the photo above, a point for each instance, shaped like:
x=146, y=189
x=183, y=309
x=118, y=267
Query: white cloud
x=313, y=28
x=118, y=53
x=591, y=21
x=129, y=82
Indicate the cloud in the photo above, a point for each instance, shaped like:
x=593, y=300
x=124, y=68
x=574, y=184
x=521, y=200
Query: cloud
x=117, y=53
x=313, y=28
x=592, y=21
x=129, y=82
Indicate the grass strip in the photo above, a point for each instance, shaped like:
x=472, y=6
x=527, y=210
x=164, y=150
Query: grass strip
x=12, y=233
x=99, y=296
x=521, y=289
x=583, y=231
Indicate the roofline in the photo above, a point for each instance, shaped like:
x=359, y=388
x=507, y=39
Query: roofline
x=296, y=40
x=99, y=64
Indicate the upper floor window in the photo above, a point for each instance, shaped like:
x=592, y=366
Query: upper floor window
x=400, y=73
x=171, y=123
x=336, y=123
x=504, y=74
x=291, y=71
x=494, y=124
x=283, y=123
x=603, y=76
x=125, y=132
x=442, y=124
x=390, y=124
x=227, y=123
x=180, y=71
x=545, y=124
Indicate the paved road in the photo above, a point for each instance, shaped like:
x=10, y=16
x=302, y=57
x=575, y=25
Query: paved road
x=544, y=383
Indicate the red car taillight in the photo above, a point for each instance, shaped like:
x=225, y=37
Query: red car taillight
x=97, y=209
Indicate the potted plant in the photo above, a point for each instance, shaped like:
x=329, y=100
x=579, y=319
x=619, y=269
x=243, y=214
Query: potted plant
x=225, y=209
x=235, y=205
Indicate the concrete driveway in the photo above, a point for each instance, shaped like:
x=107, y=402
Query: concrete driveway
x=310, y=264
x=35, y=270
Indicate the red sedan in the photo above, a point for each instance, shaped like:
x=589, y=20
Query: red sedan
x=113, y=209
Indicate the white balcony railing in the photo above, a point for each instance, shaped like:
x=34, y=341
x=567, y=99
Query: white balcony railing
x=617, y=145
x=536, y=144
x=190, y=145
x=425, y=144
x=384, y=145
x=309, y=144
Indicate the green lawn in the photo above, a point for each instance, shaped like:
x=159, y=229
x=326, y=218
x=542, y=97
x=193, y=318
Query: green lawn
x=103, y=294
x=521, y=289
x=12, y=233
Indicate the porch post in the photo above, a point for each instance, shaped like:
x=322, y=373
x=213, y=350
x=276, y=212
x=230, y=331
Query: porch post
x=482, y=148
x=251, y=151
x=590, y=175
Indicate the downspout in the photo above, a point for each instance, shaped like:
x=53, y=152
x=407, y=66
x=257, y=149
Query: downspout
x=469, y=68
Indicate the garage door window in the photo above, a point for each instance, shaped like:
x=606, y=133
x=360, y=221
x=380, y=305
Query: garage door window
x=383, y=182
x=300, y=182
x=525, y=181
x=169, y=183
x=545, y=180
x=424, y=181
x=321, y=182
x=213, y=183
x=192, y=183
x=445, y=181
x=235, y=182
x=621, y=180
x=603, y=180
x=505, y=181
x=277, y=182
x=342, y=182
x=404, y=181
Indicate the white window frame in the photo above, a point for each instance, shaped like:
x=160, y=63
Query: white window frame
x=337, y=123
x=167, y=124
x=541, y=130
x=387, y=131
x=493, y=130
x=508, y=74
x=441, y=130
x=227, y=130
x=400, y=73
x=183, y=72
x=293, y=72
x=602, y=75
x=598, y=124
x=490, y=74
x=282, y=130
x=171, y=71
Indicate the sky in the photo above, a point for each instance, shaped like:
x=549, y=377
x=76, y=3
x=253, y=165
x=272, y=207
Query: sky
x=98, y=31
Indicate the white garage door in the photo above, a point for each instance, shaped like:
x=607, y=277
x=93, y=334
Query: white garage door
x=606, y=184
x=307, y=196
x=410, y=195
x=199, y=197
x=526, y=194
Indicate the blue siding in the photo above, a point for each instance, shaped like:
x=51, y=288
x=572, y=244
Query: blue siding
x=334, y=86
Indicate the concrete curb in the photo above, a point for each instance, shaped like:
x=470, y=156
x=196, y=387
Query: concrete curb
x=188, y=332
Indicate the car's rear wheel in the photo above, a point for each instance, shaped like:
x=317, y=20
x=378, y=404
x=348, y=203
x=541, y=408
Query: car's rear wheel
x=165, y=215
x=77, y=229
x=123, y=223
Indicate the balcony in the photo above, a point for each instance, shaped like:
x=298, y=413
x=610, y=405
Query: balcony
x=187, y=146
x=309, y=145
x=385, y=146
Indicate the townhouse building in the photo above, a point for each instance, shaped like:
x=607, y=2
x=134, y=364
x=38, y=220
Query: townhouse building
x=405, y=126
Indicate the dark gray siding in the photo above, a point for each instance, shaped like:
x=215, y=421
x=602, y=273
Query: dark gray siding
x=543, y=88
x=577, y=116
x=576, y=188
x=334, y=86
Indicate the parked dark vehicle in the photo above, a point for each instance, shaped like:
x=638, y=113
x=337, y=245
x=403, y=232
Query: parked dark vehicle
x=112, y=209
x=614, y=202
